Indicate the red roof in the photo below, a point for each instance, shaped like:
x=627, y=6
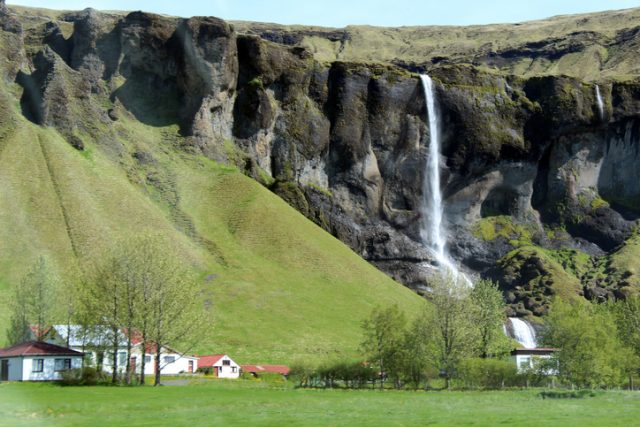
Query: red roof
x=37, y=348
x=274, y=369
x=210, y=360
x=40, y=331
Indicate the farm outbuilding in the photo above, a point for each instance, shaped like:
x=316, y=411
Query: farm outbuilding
x=37, y=361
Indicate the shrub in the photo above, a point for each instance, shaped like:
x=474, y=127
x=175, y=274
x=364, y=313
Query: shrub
x=206, y=370
x=85, y=376
x=487, y=373
x=567, y=394
x=71, y=377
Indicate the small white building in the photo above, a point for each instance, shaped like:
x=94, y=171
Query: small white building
x=96, y=342
x=171, y=361
x=221, y=364
x=530, y=358
x=37, y=361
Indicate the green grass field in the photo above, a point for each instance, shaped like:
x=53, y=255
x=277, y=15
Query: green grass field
x=245, y=402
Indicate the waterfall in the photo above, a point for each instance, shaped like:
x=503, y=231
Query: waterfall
x=600, y=103
x=432, y=230
x=523, y=332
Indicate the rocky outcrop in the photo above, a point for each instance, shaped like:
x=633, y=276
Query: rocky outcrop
x=530, y=166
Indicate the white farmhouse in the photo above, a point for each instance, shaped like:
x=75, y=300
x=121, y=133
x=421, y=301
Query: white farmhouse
x=37, y=361
x=223, y=366
x=171, y=361
x=530, y=358
x=96, y=342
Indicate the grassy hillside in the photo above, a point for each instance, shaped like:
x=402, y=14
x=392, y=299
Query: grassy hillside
x=281, y=288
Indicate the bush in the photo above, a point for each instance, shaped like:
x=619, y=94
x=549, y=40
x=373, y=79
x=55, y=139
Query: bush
x=85, y=376
x=206, y=370
x=567, y=394
x=332, y=374
x=487, y=373
x=71, y=377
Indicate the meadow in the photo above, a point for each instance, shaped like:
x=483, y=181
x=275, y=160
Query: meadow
x=250, y=402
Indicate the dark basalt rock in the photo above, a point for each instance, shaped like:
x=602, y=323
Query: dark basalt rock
x=346, y=142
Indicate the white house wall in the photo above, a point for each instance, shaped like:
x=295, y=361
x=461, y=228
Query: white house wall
x=179, y=366
x=106, y=362
x=48, y=372
x=227, y=371
x=524, y=362
x=15, y=368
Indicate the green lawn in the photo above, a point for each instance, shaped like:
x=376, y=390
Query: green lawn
x=254, y=403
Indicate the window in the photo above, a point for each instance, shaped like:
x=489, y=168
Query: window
x=525, y=363
x=147, y=359
x=62, y=365
x=122, y=358
x=226, y=363
x=234, y=369
x=169, y=359
x=37, y=365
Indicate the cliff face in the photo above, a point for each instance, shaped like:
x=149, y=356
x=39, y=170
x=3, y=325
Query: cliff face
x=541, y=186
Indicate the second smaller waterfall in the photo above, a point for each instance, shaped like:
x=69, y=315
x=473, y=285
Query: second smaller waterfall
x=523, y=332
x=600, y=102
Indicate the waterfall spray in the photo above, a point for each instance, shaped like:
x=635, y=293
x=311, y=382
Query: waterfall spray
x=523, y=332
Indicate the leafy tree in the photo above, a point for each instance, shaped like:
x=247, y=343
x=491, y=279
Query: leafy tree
x=450, y=325
x=33, y=303
x=383, y=338
x=488, y=317
x=627, y=315
x=143, y=288
x=103, y=304
x=591, y=355
x=418, y=348
x=19, y=329
x=174, y=303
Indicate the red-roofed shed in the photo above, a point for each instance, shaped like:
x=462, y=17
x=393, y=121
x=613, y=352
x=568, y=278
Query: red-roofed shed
x=255, y=370
x=37, y=361
x=221, y=365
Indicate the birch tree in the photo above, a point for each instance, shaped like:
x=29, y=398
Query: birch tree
x=488, y=317
x=102, y=301
x=452, y=332
x=33, y=303
x=384, y=332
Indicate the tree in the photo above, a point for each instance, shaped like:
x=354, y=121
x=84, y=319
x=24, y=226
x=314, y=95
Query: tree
x=144, y=290
x=591, y=355
x=488, y=317
x=102, y=301
x=627, y=315
x=450, y=324
x=170, y=299
x=418, y=347
x=383, y=338
x=19, y=328
x=33, y=303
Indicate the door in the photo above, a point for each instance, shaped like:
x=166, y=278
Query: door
x=4, y=370
x=132, y=362
x=191, y=366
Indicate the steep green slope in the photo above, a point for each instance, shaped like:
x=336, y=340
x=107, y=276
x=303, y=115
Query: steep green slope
x=281, y=287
